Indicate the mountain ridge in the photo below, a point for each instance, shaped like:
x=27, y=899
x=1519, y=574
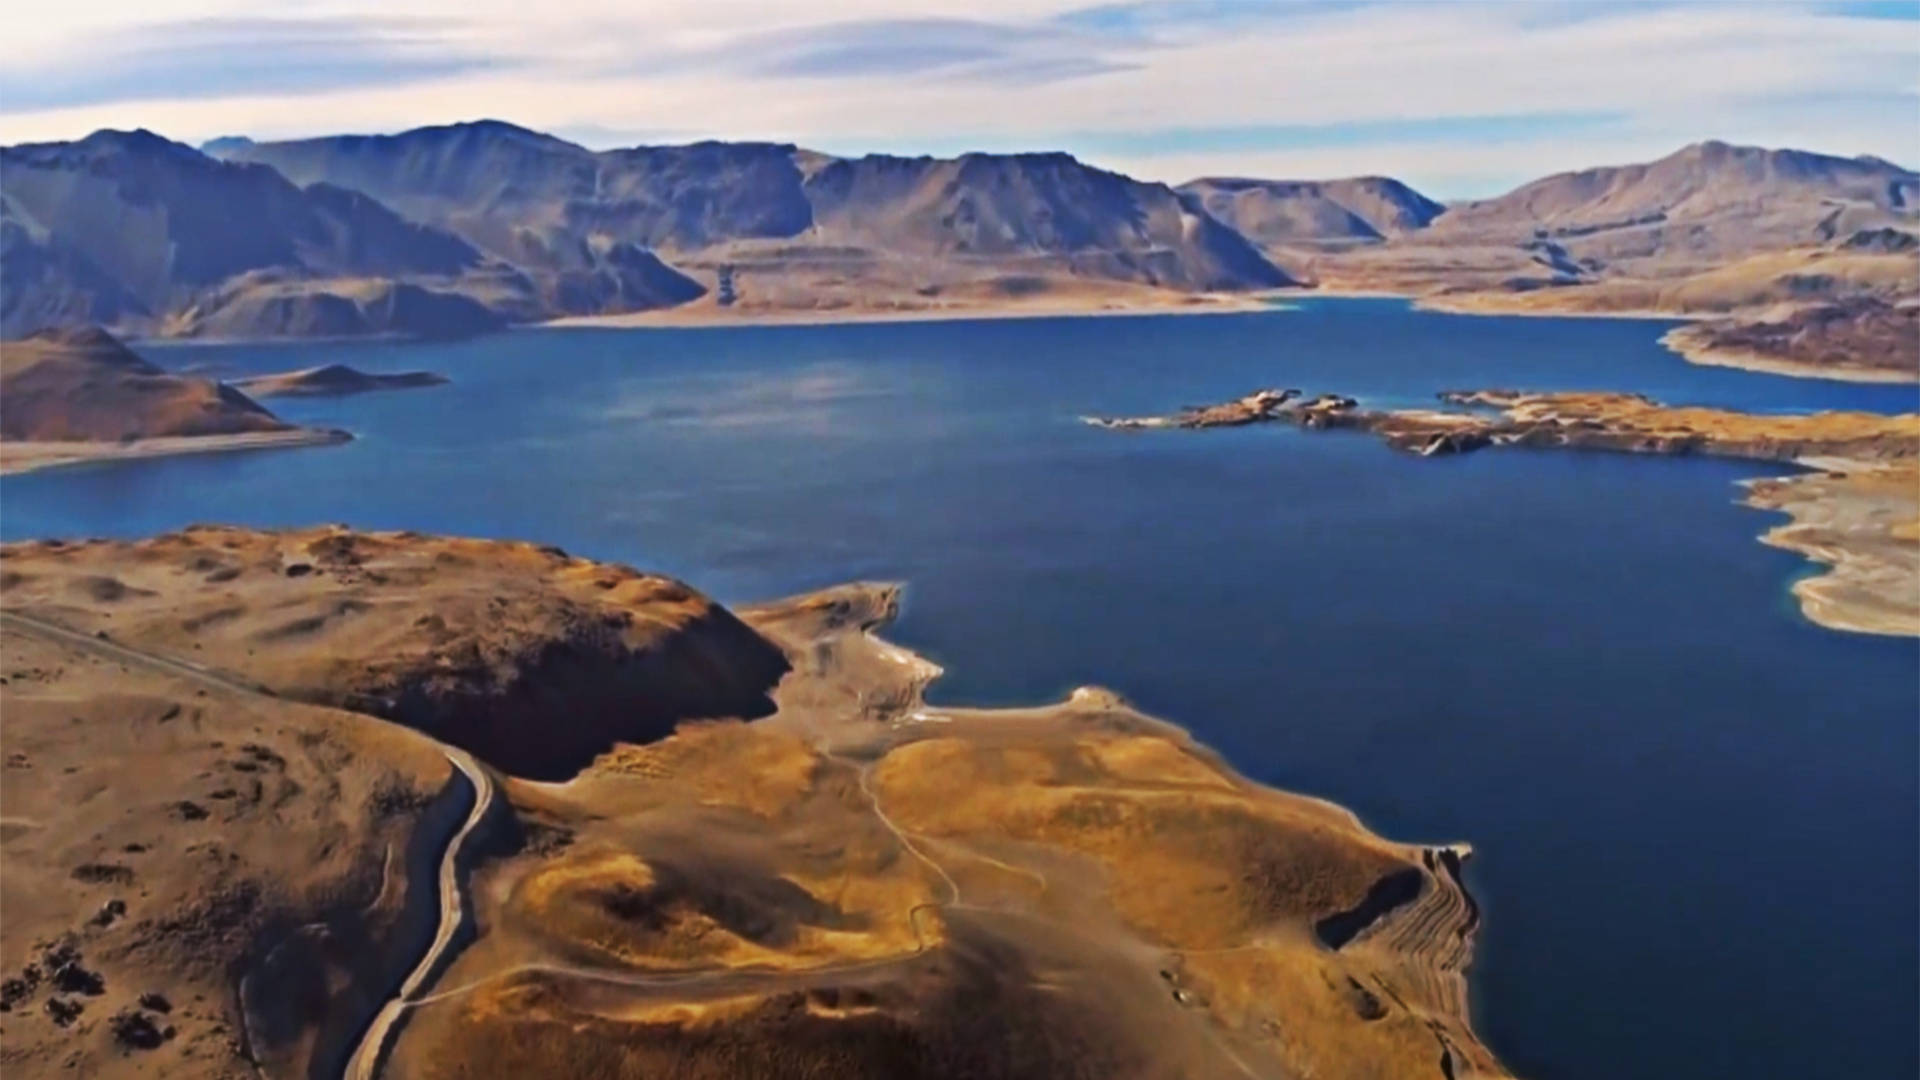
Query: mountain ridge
x=520, y=194
x=463, y=228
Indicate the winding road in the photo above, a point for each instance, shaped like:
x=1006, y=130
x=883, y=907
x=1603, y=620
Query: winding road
x=369, y=1053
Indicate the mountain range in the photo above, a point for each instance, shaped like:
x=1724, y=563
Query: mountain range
x=464, y=228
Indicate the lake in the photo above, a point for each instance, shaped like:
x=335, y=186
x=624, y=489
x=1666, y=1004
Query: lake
x=1694, y=812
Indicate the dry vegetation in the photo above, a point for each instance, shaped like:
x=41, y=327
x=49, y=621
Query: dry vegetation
x=197, y=881
x=853, y=885
x=892, y=890
x=78, y=395
x=481, y=643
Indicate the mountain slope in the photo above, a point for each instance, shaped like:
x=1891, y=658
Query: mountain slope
x=127, y=227
x=1709, y=229
x=164, y=219
x=1272, y=212
x=131, y=229
x=1708, y=200
x=536, y=200
x=82, y=384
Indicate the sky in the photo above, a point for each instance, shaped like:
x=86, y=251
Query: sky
x=1460, y=99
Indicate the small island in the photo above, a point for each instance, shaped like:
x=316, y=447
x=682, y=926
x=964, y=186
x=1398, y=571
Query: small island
x=334, y=380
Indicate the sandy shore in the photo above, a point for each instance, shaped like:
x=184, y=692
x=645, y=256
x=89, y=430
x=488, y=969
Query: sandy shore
x=708, y=315
x=1493, y=304
x=18, y=456
x=1709, y=356
x=1861, y=519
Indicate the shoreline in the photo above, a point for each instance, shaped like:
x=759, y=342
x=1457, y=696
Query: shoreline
x=1711, y=356
x=24, y=456
x=1204, y=919
x=1858, y=567
x=1438, y=304
x=703, y=318
x=1856, y=511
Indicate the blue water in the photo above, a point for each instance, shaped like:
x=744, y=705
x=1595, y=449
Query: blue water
x=1695, y=813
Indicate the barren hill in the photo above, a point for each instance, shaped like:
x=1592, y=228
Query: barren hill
x=857, y=884
x=1760, y=235
x=1705, y=201
x=1272, y=212
x=71, y=395
x=84, y=385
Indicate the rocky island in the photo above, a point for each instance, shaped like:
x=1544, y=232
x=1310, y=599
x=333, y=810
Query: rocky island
x=382, y=804
x=334, y=380
x=1859, y=512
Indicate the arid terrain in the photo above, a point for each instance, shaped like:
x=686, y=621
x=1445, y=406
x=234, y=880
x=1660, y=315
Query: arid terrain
x=467, y=228
x=852, y=884
x=79, y=395
x=1859, y=513
x=1863, y=339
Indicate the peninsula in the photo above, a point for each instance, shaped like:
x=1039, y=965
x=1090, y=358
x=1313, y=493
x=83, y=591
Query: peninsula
x=1858, y=511
x=69, y=396
x=327, y=744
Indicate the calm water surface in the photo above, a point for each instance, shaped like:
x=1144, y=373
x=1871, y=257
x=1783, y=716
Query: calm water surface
x=1695, y=813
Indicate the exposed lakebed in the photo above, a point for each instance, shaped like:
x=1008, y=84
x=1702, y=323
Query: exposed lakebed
x=1693, y=811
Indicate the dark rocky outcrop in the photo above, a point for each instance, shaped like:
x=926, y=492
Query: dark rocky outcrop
x=1595, y=420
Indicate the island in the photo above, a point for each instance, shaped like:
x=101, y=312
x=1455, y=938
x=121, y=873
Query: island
x=332, y=802
x=334, y=380
x=1857, y=509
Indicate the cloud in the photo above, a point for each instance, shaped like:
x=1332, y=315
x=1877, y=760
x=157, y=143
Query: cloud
x=226, y=56
x=1465, y=94
x=903, y=47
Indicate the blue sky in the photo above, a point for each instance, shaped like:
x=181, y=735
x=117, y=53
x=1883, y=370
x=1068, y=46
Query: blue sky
x=1460, y=98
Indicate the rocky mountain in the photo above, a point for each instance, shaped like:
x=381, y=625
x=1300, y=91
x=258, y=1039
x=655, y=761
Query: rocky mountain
x=1031, y=206
x=536, y=200
x=1709, y=229
x=1706, y=201
x=468, y=227
x=130, y=229
x=1276, y=212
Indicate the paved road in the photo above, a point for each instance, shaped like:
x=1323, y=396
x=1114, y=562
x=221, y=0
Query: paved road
x=368, y=1055
x=109, y=649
